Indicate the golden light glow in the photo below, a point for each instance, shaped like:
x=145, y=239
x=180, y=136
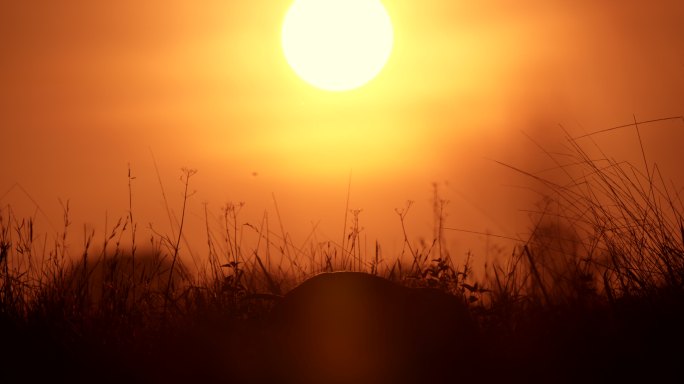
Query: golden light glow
x=337, y=45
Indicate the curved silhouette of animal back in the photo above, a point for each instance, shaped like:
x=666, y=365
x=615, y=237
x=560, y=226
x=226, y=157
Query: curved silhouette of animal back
x=350, y=327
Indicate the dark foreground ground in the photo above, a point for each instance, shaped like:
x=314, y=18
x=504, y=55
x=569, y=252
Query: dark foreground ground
x=640, y=338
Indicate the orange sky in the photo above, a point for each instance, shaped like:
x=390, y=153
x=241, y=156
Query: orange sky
x=89, y=87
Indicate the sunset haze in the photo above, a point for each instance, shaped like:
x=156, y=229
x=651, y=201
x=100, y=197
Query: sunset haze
x=91, y=88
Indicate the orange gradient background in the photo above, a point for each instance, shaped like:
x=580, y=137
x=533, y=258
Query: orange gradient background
x=89, y=87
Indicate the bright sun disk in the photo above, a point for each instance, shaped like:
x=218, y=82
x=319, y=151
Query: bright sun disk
x=337, y=45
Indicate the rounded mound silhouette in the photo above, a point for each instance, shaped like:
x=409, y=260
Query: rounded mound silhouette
x=350, y=327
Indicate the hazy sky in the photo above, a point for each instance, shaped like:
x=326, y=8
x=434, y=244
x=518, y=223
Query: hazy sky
x=88, y=87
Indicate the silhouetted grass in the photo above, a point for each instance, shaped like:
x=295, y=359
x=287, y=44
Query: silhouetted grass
x=595, y=294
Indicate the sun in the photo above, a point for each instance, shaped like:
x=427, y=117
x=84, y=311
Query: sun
x=337, y=45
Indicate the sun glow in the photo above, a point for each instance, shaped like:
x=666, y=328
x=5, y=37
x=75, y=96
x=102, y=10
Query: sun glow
x=337, y=45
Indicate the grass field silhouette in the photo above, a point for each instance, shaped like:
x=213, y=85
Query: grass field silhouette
x=595, y=294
